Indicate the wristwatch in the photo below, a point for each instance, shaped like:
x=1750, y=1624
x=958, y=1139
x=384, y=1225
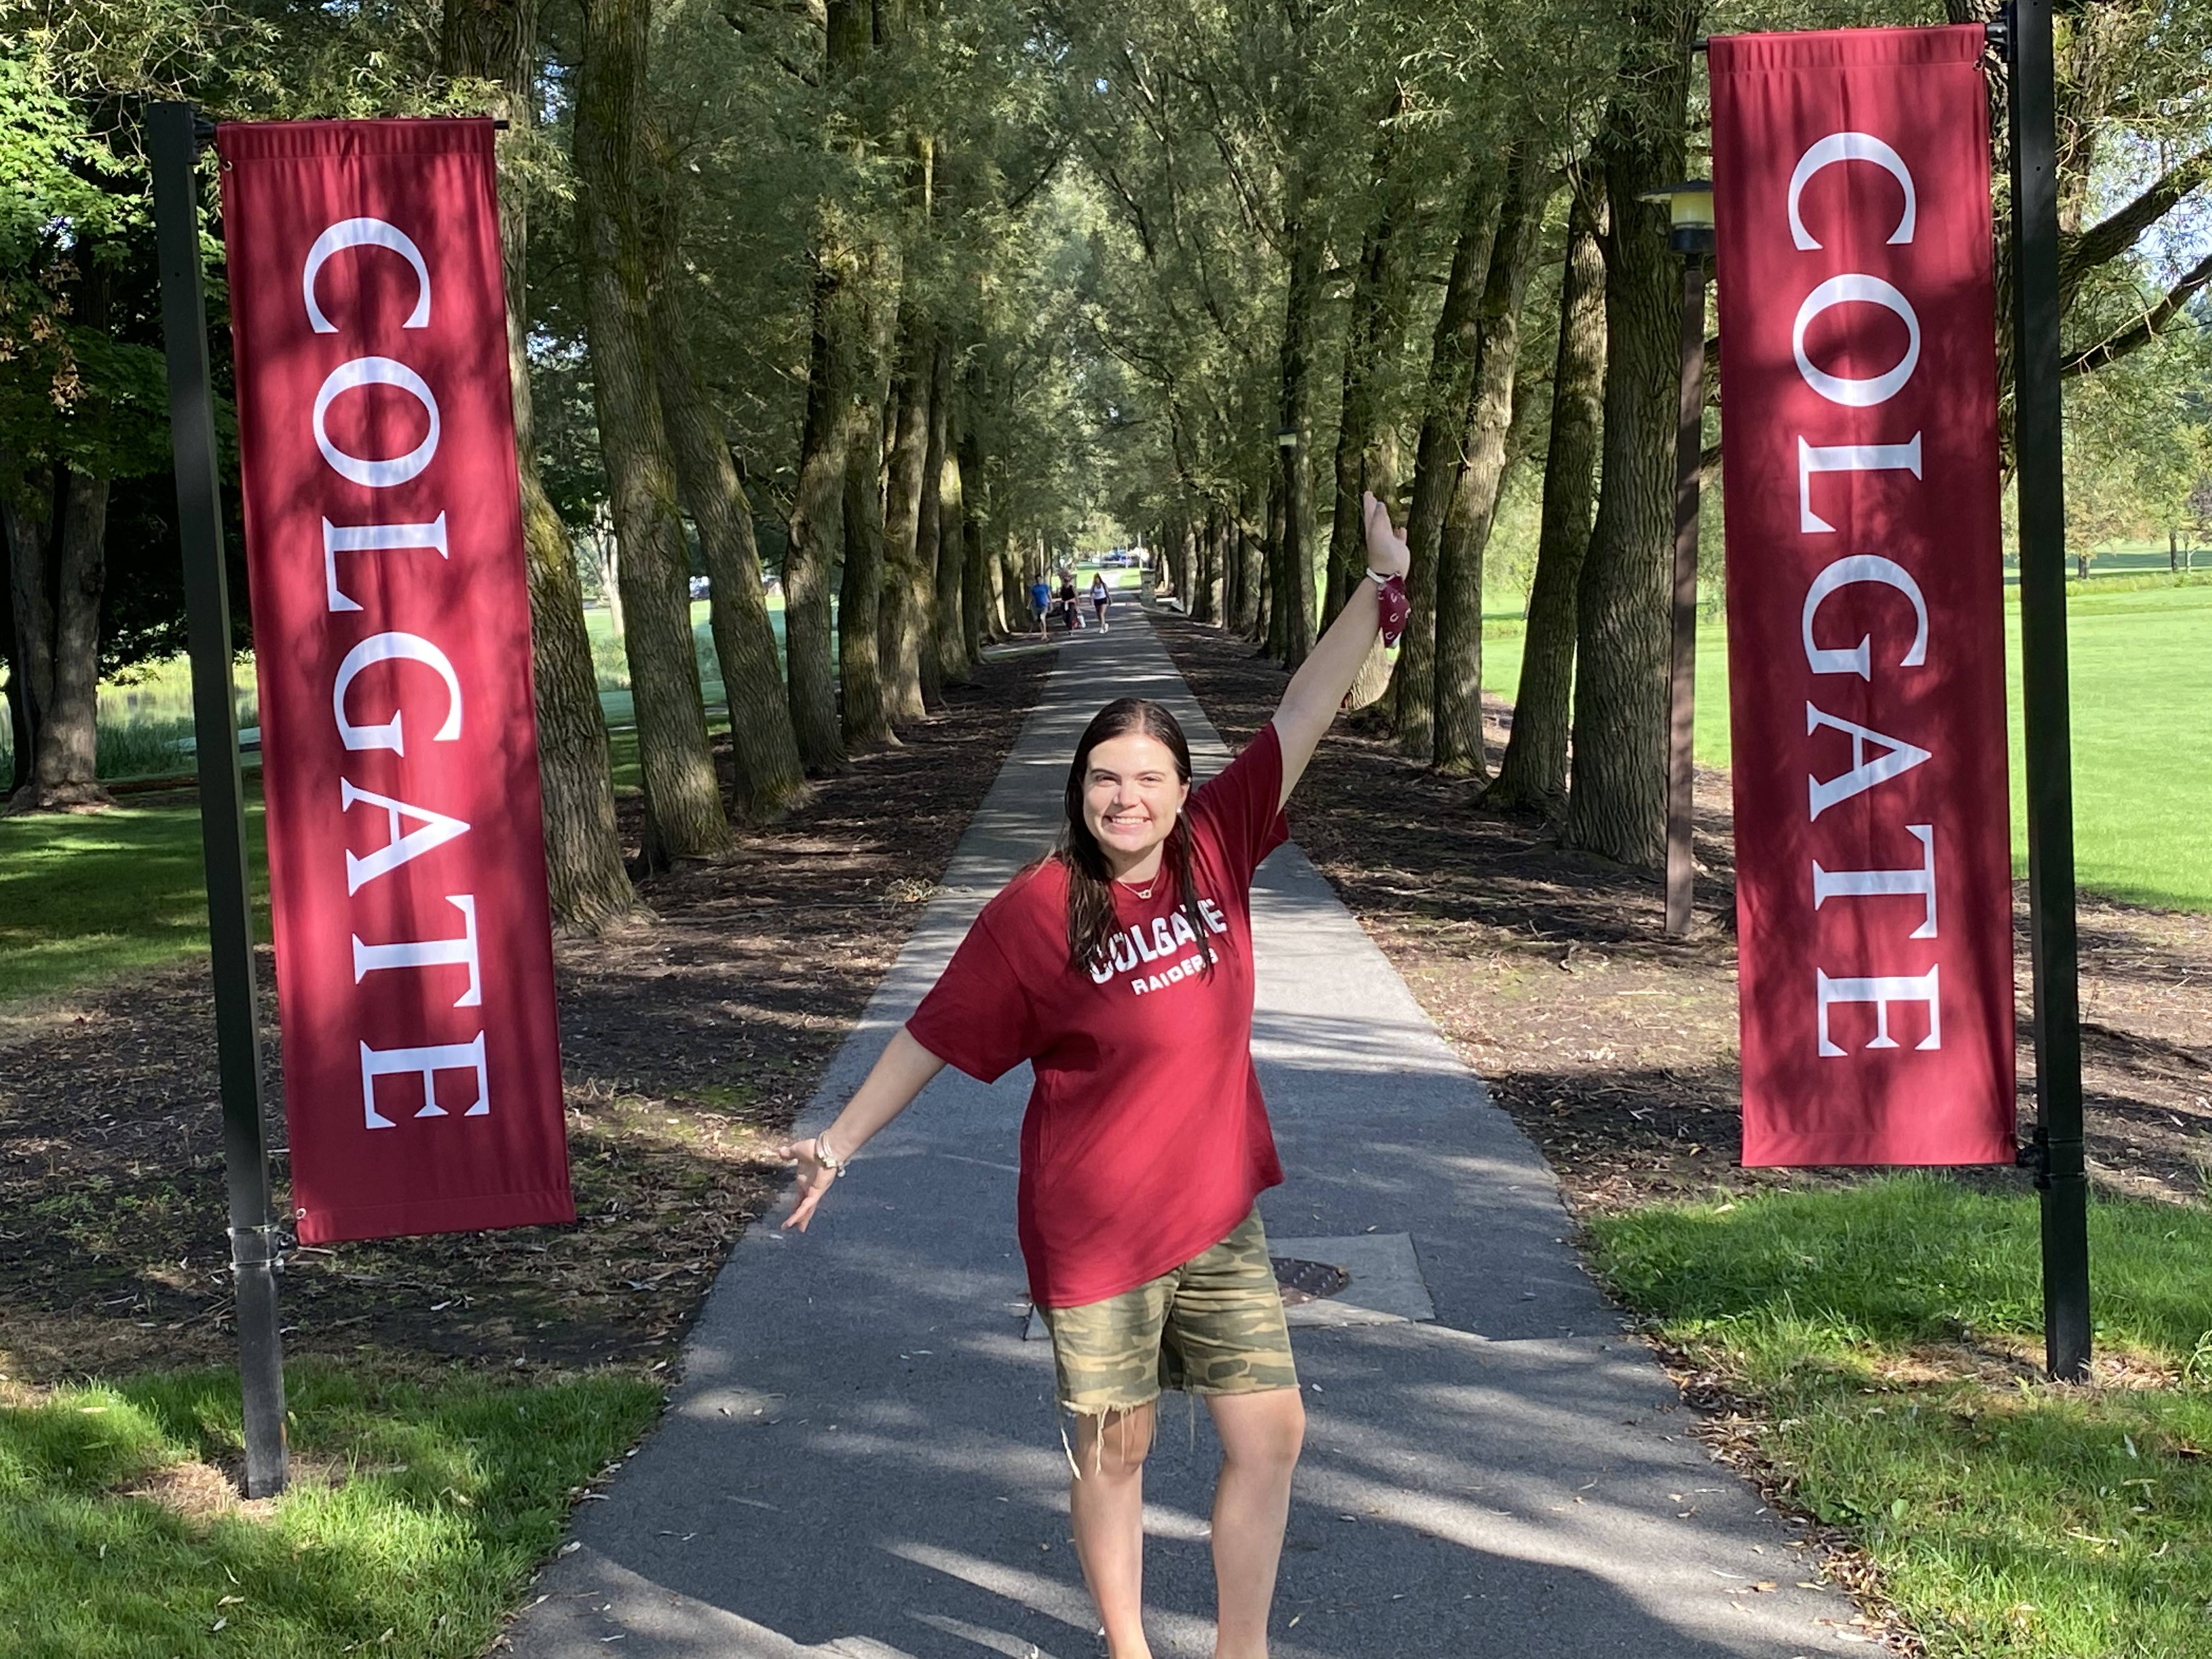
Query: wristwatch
x=826, y=1159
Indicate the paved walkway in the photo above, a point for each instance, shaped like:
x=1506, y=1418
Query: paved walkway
x=861, y=1460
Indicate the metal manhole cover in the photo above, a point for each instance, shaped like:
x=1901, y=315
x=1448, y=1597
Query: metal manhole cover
x=1307, y=1282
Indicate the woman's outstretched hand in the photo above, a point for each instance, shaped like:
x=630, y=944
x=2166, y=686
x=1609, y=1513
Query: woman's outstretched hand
x=814, y=1180
x=1386, y=548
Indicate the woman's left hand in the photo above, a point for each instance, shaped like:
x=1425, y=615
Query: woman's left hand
x=1386, y=548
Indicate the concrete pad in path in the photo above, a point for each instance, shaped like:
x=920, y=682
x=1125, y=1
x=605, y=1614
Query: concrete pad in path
x=862, y=1460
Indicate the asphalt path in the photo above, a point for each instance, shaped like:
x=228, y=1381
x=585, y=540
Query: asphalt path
x=861, y=1459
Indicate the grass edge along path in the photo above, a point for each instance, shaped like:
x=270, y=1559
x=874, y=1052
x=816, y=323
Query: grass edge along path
x=420, y=1506
x=1884, y=1342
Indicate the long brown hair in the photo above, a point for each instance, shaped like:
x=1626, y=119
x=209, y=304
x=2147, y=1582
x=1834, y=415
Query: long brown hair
x=1091, y=920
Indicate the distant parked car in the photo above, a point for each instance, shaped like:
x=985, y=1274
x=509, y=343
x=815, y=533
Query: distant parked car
x=699, y=588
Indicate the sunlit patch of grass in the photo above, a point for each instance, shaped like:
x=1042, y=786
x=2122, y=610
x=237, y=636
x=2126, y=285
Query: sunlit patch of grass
x=1886, y=1335
x=85, y=897
x=420, y=1509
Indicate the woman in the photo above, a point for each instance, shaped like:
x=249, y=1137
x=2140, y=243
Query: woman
x=1120, y=967
x=1098, y=599
x=1069, y=608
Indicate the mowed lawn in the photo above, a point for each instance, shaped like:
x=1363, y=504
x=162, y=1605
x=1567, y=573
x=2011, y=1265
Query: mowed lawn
x=1889, y=1334
x=84, y=897
x=2141, y=671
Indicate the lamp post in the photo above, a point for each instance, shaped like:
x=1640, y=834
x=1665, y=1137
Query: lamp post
x=1690, y=219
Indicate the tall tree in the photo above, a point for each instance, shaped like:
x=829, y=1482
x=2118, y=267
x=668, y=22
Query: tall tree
x=1303, y=235
x=943, y=503
x=495, y=41
x=1473, y=505
x=59, y=557
x=1452, y=354
x=771, y=779
x=818, y=516
x=1617, y=807
x=904, y=635
x=1533, y=774
x=684, y=802
x=1373, y=338
x=865, y=707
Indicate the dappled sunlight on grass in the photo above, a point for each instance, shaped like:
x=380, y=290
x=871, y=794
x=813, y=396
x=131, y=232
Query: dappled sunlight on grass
x=1886, y=1338
x=418, y=1509
x=83, y=898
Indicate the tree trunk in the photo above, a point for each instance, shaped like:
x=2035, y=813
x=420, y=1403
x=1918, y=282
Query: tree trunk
x=902, y=626
x=929, y=527
x=683, y=801
x=1303, y=234
x=1473, y=506
x=864, y=703
x=65, y=769
x=1013, y=591
x=1275, y=627
x=22, y=742
x=1533, y=774
x=770, y=779
x=609, y=552
x=865, y=712
x=29, y=526
x=951, y=549
x=497, y=41
x=1436, y=458
x=1244, y=611
x=1618, y=803
x=975, y=586
x=1179, y=562
x=817, y=517
x=1371, y=340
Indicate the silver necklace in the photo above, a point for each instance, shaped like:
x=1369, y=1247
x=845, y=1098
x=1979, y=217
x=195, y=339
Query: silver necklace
x=1144, y=892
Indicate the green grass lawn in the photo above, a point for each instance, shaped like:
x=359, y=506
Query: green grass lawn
x=2140, y=665
x=2011, y=1519
x=86, y=897
x=418, y=1510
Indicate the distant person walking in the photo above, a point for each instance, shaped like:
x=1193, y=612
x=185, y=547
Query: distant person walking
x=1119, y=966
x=1069, y=610
x=1041, y=602
x=1098, y=599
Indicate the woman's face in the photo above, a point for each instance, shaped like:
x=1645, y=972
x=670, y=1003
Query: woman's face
x=1131, y=796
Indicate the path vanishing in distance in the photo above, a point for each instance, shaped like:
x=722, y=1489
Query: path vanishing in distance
x=862, y=1460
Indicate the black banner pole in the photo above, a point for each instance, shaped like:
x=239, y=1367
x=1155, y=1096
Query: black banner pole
x=1682, y=672
x=174, y=144
x=2056, y=1153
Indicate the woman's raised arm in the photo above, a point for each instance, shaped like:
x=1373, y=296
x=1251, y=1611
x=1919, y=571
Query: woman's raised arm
x=1316, y=692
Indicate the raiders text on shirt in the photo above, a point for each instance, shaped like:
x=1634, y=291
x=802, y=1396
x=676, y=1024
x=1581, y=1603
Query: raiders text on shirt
x=1142, y=946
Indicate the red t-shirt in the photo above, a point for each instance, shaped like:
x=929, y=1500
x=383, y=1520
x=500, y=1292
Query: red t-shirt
x=1146, y=1140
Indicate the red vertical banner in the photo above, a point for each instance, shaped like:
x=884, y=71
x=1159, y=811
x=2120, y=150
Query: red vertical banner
x=391, y=640
x=1865, y=596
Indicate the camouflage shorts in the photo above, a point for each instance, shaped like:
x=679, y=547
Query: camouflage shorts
x=1213, y=1326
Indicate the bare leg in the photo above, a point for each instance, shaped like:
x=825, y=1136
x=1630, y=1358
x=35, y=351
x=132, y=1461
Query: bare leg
x=1261, y=1435
x=1106, y=1502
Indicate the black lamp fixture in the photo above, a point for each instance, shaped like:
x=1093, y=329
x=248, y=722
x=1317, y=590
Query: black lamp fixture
x=1689, y=214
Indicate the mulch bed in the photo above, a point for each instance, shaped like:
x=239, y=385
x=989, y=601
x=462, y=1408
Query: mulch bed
x=1613, y=1047
x=688, y=1044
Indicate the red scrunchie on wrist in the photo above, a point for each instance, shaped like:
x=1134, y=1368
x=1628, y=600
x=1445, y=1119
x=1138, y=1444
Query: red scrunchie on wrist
x=1393, y=607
